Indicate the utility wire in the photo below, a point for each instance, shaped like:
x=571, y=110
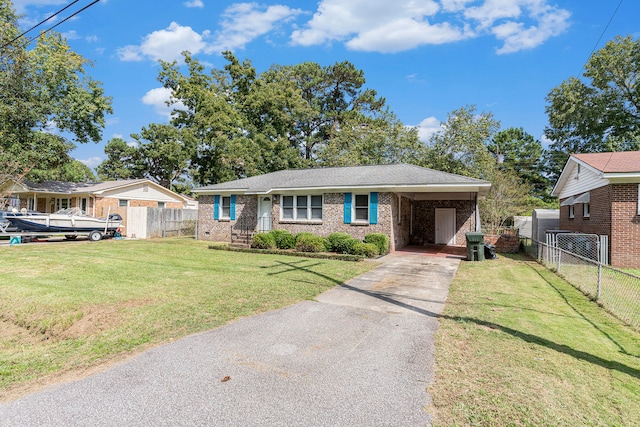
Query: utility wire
x=63, y=21
x=40, y=23
x=47, y=19
x=602, y=34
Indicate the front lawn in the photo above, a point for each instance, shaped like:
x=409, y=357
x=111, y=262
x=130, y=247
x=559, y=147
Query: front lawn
x=518, y=346
x=69, y=307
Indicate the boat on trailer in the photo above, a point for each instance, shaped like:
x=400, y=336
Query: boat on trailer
x=71, y=222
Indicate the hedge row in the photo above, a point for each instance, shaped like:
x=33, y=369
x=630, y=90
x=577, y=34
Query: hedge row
x=319, y=255
x=374, y=244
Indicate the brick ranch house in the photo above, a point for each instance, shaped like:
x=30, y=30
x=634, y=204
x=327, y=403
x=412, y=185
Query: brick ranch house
x=408, y=203
x=600, y=194
x=96, y=199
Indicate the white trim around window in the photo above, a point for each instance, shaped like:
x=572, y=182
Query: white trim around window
x=360, y=208
x=586, y=210
x=225, y=207
x=301, y=207
x=571, y=211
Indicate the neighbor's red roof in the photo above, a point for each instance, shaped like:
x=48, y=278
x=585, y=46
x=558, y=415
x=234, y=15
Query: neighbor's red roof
x=620, y=162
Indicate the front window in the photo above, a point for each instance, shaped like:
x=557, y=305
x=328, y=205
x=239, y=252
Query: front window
x=63, y=204
x=361, y=208
x=123, y=203
x=571, y=211
x=161, y=204
x=226, y=207
x=302, y=208
x=586, y=210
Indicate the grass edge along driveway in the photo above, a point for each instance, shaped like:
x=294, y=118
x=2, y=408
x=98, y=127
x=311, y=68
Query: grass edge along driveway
x=518, y=346
x=68, y=308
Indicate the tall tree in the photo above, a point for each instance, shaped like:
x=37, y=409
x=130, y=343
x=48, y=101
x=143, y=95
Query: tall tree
x=516, y=150
x=242, y=123
x=600, y=112
x=164, y=155
x=44, y=85
x=461, y=146
x=123, y=161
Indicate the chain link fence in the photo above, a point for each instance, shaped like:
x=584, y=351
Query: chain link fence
x=615, y=290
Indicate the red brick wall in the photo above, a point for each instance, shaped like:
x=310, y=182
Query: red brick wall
x=425, y=219
x=625, y=230
x=614, y=212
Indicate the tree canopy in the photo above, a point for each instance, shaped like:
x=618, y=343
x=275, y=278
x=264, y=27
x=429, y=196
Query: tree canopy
x=461, y=146
x=47, y=102
x=237, y=123
x=600, y=112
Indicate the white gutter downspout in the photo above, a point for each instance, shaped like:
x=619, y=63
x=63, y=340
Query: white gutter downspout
x=477, y=215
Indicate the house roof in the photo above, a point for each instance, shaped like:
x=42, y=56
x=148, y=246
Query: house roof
x=393, y=177
x=93, y=188
x=79, y=187
x=598, y=169
x=617, y=162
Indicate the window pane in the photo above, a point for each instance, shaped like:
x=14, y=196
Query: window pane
x=316, y=213
x=226, y=207
x=362, y=214
x=362, y=201
x=287, y=213
x=287, y=201
x=302, y=201
x=316, y=201
x=123, y=203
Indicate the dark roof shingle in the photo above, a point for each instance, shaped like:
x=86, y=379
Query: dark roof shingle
x=344, y=177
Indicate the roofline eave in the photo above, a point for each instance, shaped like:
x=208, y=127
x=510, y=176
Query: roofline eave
x=479, y=187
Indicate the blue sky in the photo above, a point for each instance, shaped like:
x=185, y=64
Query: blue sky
x=426, y=57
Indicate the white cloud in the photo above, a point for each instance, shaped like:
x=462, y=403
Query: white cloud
x=166, y=44
x=194, y=3
x=158, y=99
x=383, y=26
x=91, y=162
x=244, y=22
x=428, y=127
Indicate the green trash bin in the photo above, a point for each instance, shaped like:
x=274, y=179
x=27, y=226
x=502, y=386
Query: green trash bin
x=475, y=246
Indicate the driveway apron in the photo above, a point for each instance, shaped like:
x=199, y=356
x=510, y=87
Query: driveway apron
x=360, y=355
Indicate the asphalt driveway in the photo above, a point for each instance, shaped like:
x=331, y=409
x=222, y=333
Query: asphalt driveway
x=360, y=355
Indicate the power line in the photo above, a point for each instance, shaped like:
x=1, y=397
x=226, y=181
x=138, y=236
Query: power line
x=51, y=28
x=63, y=21
x=39, y=23
x=602, y=34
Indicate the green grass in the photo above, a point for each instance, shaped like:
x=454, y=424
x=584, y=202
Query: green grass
x=72, y=306
x=518, y=346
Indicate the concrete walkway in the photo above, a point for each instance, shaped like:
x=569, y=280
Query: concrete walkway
x=361, y=355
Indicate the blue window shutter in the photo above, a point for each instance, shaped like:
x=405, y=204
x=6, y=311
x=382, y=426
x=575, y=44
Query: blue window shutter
x=232, y=208
x=373, y=208
x=347, y=208
x=216, y=207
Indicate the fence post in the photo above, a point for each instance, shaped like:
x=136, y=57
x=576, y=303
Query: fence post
x=559, y=256
x=599, y=280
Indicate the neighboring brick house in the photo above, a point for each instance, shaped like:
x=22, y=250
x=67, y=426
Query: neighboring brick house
x=96, y=199
x=600, y=194
x=408, y=203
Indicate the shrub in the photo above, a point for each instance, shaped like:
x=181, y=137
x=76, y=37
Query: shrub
x=309, y=242
x=263, y=241
x=336, y=241
x=284, y=239
x=369, y=250
x=380, y=240
x=303, y=234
